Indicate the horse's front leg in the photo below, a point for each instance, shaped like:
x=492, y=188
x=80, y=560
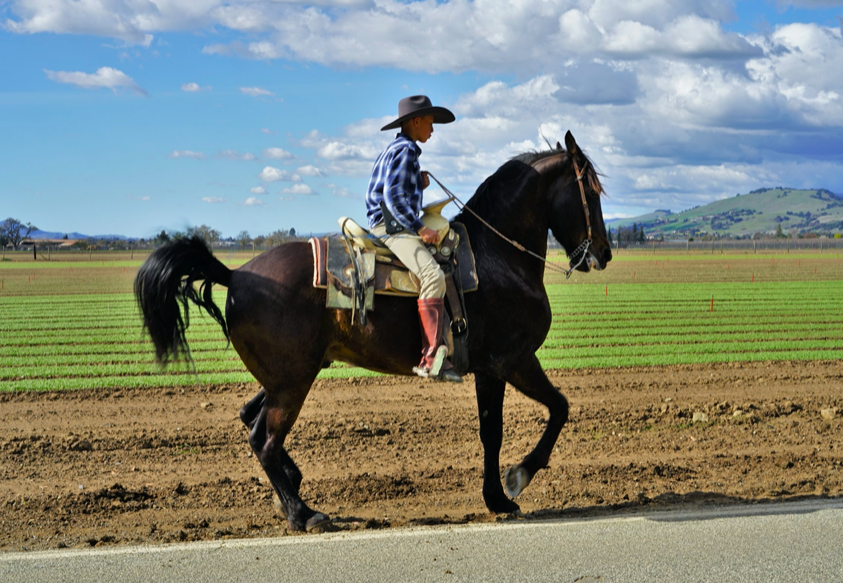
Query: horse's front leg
x=490, y=391
x=531, y=380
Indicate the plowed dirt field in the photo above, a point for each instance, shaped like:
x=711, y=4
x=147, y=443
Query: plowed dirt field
x=105, y=467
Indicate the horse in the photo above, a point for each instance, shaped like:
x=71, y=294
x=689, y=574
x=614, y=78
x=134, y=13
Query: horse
x=279, y=325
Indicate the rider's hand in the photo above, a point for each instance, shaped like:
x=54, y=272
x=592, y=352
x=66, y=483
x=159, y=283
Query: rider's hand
x=429, y=236
x=425, y=179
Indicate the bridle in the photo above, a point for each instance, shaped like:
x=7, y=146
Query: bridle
x=587, y=242
x=582, y=248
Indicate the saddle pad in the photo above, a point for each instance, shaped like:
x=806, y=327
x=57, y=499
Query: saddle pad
x=320, y=263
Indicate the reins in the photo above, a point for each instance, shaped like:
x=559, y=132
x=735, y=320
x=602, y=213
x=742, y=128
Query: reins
x=583, y=247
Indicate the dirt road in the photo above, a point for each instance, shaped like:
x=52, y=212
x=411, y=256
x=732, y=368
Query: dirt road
x=102, y=467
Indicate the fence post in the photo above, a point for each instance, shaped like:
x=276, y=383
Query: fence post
x=253, y=249
x=754, y=249
x=132, y=249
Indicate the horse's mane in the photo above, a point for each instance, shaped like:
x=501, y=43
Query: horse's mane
x=513, y=172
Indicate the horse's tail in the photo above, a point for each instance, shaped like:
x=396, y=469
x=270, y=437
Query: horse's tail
x=166, y=280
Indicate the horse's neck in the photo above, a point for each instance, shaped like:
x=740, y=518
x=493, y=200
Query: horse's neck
x=525, y=216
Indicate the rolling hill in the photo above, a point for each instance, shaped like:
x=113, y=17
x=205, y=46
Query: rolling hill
x=760, y=211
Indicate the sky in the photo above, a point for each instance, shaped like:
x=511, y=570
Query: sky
x=135, y=116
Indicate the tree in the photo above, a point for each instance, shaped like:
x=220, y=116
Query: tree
x=163, y=237
x=244, y=239
x=277, y=237
x=779, y=232
x=210, y=235
x=16, y=232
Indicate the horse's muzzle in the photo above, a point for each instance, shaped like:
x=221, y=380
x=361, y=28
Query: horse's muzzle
x=594, y=262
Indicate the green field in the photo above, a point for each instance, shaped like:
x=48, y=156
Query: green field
x=67, y=325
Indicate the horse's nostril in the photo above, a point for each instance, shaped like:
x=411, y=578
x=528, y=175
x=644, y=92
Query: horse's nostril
x=607, y=255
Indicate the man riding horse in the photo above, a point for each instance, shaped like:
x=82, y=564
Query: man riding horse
x=393, y=203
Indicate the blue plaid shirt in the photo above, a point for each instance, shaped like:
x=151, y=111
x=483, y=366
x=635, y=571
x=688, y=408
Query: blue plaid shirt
x=396, y=180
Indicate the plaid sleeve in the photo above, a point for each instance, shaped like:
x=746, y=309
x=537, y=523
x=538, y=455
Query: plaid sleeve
x=401, y=191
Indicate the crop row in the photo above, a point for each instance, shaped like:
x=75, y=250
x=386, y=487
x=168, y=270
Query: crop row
x=663, y=360
x=725, y=337
x=103, y=352
x=170, y=379
x=97, y=341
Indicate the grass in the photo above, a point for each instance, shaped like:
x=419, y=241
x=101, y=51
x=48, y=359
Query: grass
x=72, y=326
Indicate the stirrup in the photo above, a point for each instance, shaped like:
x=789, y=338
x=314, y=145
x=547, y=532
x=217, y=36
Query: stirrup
x=434, y=369
x=438, y=361
x=436, y=372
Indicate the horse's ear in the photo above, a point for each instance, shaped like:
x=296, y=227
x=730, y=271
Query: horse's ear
x=571, y=144
x=558, y=146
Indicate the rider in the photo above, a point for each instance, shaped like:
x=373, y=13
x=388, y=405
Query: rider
x=393, y=203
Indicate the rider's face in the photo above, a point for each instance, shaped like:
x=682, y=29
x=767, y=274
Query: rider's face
x=423, y=128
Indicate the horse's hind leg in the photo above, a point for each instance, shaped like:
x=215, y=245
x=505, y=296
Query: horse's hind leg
x=490, y=392
x=250, y=414
x=531, y=380
x=269, y=429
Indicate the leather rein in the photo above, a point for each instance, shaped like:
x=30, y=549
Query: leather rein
x=583, y=247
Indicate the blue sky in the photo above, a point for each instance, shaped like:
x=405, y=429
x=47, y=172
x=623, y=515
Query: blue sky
x=133, y=117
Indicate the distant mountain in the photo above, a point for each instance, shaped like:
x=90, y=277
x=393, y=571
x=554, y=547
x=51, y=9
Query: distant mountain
x=38, y=234
x=797, y=211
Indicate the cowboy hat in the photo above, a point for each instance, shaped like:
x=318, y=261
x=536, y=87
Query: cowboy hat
x=418, y=106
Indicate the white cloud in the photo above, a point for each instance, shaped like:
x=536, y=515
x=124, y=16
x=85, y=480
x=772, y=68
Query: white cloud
x=257, y=190
x=234, y=155
x=302, y=189
x=104, y=77
x=255, y=91
x=253, y=201
x=187, y=154
x=277, y=154
x=194, y=88
x=309, y=170
x=461, y=35
x=336, y=150
x=267, y=131
x=272, y=174
x=213, y=199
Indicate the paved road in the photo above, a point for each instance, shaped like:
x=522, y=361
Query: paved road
x=791, y=542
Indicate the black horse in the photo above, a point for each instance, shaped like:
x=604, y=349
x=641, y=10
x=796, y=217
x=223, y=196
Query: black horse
x=279, y=325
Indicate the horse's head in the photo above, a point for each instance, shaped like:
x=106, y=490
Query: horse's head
x=576, y=218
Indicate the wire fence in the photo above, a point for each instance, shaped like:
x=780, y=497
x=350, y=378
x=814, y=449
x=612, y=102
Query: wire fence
x=818, y=245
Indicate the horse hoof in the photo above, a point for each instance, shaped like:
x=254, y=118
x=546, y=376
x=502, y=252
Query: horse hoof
x=320, y=523
x=515, y=480
x=509, y=516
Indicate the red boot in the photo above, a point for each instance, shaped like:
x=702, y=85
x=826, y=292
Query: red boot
x=434, y=362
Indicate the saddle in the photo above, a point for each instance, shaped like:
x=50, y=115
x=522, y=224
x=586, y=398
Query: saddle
x=354, y=266
x=357, y=258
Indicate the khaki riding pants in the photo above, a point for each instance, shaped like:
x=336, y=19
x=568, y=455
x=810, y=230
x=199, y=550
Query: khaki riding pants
x=413, y=253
